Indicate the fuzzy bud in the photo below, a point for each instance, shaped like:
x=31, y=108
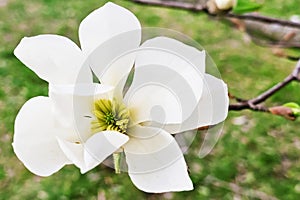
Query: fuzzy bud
x=225, y=4
x=283, y=111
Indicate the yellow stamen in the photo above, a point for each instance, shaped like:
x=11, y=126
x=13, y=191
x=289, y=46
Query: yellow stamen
x=111, y=115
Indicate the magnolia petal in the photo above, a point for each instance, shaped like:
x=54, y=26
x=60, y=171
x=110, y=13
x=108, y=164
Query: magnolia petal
x=158, y=45
x=155, y=161
x=34, y=138
x=116, y=74
x=185, y=61
x=54, y=58
x=74, y=152
x=109, y=35
x=166, y=99
x=104, y=23
x=73, y=105
x=165, y=89
x=97, y=148
x=101, y=145
x=173, y=178
x=154, y=103
x=212, y=107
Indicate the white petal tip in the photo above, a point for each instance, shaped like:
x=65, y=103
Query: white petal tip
x=180, y=188
x=83, y=171
x=110, y=4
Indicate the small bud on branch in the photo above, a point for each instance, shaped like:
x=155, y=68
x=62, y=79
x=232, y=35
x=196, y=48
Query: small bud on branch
x=283, y=111
x=225, y=4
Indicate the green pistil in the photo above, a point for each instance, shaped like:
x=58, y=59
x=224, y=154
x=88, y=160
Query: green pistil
x=109, y=118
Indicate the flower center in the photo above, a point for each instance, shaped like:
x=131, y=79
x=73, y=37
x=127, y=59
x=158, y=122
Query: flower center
x=111, y=115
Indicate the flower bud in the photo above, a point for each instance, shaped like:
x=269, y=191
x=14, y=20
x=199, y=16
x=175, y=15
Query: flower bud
x=225, y=4
x=283, y=111
x=289, y=110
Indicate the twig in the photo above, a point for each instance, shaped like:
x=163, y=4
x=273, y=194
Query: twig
x=260, y=18
x=202, y=7
x=253, y=104
x=173, y=4
x=247, y=105
x=236, y=98
x=293, y=76
x=270, y=35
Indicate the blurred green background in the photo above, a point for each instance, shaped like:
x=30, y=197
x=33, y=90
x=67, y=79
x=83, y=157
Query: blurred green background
x=257, y=156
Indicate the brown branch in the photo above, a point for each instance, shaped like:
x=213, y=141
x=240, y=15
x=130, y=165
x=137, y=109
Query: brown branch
x=247, y=105
x=173, y=4
x=262, y=29
x=260, y=18
x=196, y=7
x=270, y=35
x=253, y=104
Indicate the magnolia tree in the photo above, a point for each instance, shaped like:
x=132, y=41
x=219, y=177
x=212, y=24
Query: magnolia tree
x=127, y=95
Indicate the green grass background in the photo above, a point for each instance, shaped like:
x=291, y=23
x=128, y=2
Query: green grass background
x=260, y=156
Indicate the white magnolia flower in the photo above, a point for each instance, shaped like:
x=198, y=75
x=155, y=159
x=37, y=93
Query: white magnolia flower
x=225, y=4
x=82, y=122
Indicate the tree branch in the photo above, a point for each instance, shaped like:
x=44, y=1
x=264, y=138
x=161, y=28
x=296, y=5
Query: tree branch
x=260, y=18
x=173, y=4
x=253, y=104
x=201, y=6
x=270, y=34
